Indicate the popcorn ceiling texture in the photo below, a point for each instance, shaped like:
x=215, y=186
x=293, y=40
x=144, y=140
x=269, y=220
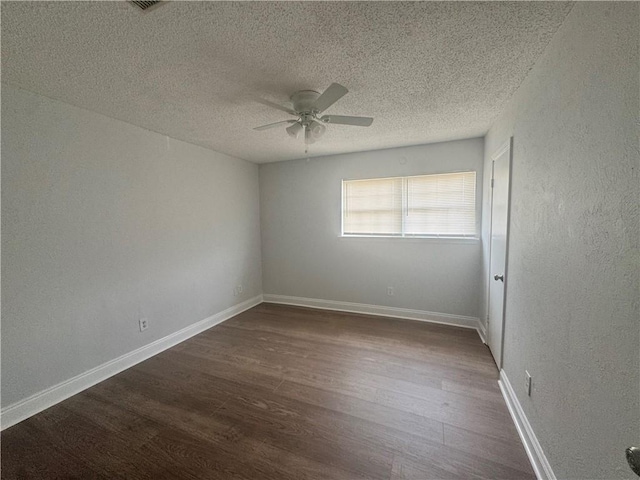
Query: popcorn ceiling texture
x=427, y=71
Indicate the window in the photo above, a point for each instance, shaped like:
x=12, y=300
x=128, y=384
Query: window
x=442, y=205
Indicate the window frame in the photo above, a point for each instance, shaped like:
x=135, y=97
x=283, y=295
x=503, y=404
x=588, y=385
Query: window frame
x=457, y=238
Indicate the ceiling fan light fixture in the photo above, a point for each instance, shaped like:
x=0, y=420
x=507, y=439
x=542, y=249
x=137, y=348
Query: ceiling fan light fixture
x=294, y=130
x=317, y=129
x=308, y=136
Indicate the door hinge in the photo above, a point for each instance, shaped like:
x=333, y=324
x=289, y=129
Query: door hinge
x=492, y=183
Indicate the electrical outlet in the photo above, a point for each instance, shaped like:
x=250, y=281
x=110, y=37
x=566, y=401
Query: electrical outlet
x=527, y=383
x=144, y=324
x=238, y=290
x=390, y=291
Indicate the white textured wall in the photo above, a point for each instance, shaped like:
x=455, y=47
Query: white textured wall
x=304, y=255
x=572, y=310
x=103, y=223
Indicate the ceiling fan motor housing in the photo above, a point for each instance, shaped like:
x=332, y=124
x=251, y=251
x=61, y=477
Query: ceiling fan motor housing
x=304, y=100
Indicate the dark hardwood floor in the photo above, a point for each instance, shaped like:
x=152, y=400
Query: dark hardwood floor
x=286, y=393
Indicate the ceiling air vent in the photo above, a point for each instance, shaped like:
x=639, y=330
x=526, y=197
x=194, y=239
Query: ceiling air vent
x=145, y=5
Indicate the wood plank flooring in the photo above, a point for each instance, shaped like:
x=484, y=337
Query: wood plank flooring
x=283, y=392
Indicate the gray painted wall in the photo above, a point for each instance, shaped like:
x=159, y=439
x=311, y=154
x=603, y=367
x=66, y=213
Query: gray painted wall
x=304, y=255
x=573, y=290
x=103, y=223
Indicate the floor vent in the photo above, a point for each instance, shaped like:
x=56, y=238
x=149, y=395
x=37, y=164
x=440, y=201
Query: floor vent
x=145, y=5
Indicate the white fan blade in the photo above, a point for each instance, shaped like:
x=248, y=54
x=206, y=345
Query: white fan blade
x=347, y=120
x=330, y=96
x=272, y=125
x=276, y=106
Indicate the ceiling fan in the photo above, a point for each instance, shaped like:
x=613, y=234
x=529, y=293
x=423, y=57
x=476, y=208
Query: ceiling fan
x=307, y=106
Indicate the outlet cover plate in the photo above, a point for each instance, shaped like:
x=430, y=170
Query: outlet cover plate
x=144, y=324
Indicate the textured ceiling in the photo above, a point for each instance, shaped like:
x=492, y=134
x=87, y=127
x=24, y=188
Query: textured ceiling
x=427, y=71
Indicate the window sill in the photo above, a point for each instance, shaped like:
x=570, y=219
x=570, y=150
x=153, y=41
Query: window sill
x=434, y=239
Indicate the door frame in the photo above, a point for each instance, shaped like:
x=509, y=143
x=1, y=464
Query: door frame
x=508, y=145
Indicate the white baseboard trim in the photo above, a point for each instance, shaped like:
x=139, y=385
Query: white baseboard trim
x=482, y=331
x=379, y=310
x=538, y=460
x=40, y=401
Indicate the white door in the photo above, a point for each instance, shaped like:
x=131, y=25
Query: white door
x=499, y=236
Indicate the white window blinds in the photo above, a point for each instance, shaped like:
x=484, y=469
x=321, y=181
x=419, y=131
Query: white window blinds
x=372, y=207
x=442, y=205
